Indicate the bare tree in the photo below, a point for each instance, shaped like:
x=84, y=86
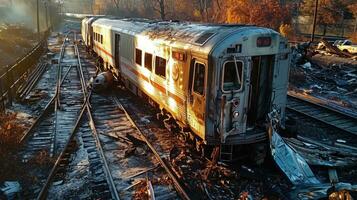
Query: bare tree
x=159, y=6
x=117, y=3
x=203, y=8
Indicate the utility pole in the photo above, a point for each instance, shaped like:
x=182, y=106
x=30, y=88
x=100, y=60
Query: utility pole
x=314, y=25
x=38, y=18
x=343, y=23
x=46, y=6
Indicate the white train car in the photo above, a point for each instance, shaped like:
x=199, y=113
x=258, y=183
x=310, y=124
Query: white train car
x=220, y=81
x=87, y=30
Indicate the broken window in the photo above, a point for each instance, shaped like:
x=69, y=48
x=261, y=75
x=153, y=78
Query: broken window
x=232, y=75
x=148, y=61
x=160, y=66
x=138, y=55
x=199, y=78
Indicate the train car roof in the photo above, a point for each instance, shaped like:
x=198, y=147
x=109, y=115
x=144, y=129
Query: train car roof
x=185, y=32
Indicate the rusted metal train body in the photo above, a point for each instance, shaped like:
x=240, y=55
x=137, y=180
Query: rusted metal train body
x=218, y=80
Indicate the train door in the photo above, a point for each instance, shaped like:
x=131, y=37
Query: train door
x=117, y=51
x=260, y=89
x=91, y=35
x=87, y=35
x=197, y=96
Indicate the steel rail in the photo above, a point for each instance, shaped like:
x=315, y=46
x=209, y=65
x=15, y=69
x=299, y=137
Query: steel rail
x=59, y=71
x=45, y=111
x=32, y=80
x=325, y=106
x=35, y=80
x=44, y=190
x=180, y=190
x=309, y=106
x=107, y=172
x=85, y=108
x=58, y=93
x=95, y=134
x=32, y=127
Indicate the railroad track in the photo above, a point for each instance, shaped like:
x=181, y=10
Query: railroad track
x=342, y=121
x=48, y=135
x=104, y=129
x=84, y=131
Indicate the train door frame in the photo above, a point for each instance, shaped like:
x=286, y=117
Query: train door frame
x=196, y=103
x=117, y=39
x=255, y=90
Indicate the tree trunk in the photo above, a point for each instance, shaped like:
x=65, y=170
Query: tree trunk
x=325, y=29
x=162, y=9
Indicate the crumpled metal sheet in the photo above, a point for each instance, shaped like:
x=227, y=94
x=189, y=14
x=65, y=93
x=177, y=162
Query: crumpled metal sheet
x=290, y=162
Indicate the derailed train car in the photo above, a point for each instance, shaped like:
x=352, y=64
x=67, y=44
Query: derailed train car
x=220, y=81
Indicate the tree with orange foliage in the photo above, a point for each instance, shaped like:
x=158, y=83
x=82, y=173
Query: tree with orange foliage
x=267, y=13
x=330, y=12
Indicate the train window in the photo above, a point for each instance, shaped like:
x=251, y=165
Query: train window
x=148, y=61
x=160, y=66
x=101, y=39
x=232, y=75
x=199, y=78
x=94, y=38
x=138, y=56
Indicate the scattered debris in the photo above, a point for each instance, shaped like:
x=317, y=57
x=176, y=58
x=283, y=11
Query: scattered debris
x=322, y=191
x=289, y=161
x=150, y=189
x=316, y=153
x=324, y=71
x=11, y=190
x=102, y=81
x=333, y=49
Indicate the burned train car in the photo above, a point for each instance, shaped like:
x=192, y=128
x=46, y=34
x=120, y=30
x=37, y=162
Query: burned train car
x=220, y=81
